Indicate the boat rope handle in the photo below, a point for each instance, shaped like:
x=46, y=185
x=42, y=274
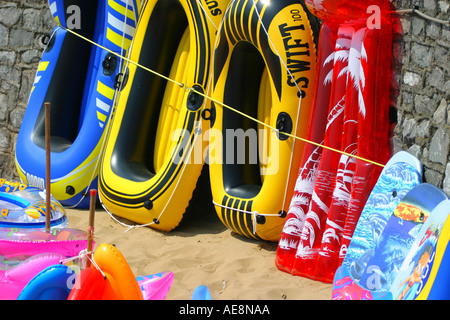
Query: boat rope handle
x=182, y=85
x=400, y=11
x=254, y=214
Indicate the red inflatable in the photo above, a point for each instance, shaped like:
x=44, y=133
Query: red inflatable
x=90, y=284
x=374, y=128
x=332, y=187
x=327, y=259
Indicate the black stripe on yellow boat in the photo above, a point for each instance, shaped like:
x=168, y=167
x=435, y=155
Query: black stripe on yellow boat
x=237, y=215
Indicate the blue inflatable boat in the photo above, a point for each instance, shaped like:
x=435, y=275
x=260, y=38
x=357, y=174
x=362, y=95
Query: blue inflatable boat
x=80, y=81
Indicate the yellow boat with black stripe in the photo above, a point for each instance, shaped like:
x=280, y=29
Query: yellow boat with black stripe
x=149, y=171
x=264, y=67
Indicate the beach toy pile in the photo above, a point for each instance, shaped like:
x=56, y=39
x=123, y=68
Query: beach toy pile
x=38, y=258
x=289, y=103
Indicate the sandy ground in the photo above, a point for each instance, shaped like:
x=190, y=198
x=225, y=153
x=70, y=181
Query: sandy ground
x=202, y=251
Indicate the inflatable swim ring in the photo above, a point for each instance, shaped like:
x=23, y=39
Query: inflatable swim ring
x=52, y=283
x=24, y=206
x=78, y=80
x=264, y=66
x=148, y=172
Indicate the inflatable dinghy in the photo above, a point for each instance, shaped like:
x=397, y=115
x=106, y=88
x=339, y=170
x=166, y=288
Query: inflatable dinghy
x=78, y=79
x=149, y=171
x=264, y=66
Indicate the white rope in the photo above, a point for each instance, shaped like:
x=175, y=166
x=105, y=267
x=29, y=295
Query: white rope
x=83, y=255
x=206, y=13
x=423, y=15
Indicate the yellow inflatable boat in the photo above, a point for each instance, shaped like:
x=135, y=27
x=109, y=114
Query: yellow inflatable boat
x=264, y=67
x=149, y=171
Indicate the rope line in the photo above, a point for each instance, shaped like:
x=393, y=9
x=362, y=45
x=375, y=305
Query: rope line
x=83, y=256
x=423, y=15
x=254, y=214
x=182, y=85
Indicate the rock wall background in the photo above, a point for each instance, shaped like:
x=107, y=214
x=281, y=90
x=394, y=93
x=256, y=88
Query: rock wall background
x=423, y=127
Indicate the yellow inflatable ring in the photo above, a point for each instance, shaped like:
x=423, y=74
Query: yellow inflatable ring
x=264, y=66
x=148, y=172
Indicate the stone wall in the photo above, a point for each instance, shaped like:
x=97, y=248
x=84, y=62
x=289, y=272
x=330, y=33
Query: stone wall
x=423, y=108
x=423, y=127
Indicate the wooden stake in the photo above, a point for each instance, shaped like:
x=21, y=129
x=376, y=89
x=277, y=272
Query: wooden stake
x=47, y=167
x=93, y=193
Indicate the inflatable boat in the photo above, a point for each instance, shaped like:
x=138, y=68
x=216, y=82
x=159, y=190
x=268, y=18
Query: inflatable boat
x=78, y=79
x=149, y=171
x=264, y=67
x=24, y=206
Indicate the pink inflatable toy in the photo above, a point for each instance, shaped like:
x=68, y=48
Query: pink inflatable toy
x=29, y=242
x=13, y=278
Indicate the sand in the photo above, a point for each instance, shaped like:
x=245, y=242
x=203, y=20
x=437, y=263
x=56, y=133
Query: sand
x=202, y=251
